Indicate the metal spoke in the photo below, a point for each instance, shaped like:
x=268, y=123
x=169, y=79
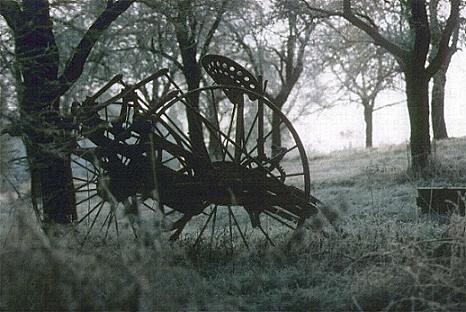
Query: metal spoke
x=202, y=230
x=278, y=220
x=168, y=160
x=170, y=212
x=88, y=198
x=105, y=221
x=149, y=207
x=180, y=132
x=294, y=174
x=251, y=128
x=101, y=203
x=84, y=185
x=281, y=155
x=230, y=127
x=238, y=227
x=213, y=225
x=265, y=138
x=92, y=224
x=116, y=223
x=266, y=235
x=112, y=215
x=84, y=167
x=230, y=228
x=81, y=180
x=84, y=191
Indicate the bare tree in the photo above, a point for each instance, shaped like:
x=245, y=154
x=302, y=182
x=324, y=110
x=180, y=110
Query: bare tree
x=364, y=72
x=440, y=78
x=410, y=50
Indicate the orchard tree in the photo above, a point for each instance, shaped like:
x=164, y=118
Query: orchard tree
x=361, y=70
x=404, y=29
x=40, y=84
x=440, y=78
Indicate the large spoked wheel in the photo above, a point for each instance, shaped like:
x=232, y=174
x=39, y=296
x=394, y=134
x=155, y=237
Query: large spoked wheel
x=116, y=167
x=241, y=138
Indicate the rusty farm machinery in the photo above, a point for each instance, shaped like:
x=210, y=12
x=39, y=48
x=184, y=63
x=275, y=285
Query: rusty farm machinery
x=134, y=158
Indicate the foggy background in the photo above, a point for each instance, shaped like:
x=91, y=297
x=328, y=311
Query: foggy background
x=342, y=127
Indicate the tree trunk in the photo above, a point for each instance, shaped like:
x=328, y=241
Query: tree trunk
x=438, y=104
x=192, y=73
x=279, y=102
x=368, y=115
x=417, y=91
x=37, y=53
x=215, y=143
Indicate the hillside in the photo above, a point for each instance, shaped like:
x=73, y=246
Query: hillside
x=380, y=254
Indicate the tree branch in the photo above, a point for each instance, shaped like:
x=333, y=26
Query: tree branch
x=388, y=105
x=368, y=27
x=444, y=49
x=165, y=55
x=11, y=12
x=213, y=28
x=379, y=40
x=75, y=65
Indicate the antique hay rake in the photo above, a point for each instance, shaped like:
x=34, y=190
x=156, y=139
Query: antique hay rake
x=152, y=158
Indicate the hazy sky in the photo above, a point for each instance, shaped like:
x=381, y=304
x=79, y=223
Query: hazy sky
x=343, y=126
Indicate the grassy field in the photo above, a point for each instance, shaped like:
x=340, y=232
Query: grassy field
x=380, y=253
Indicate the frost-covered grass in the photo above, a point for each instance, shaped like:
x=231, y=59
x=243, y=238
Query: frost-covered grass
x=380, y=255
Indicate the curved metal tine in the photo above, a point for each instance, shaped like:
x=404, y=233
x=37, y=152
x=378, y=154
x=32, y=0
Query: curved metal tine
x=149, y=207
x=180, y=134
x=170, y=212
x=178, y=226
x=154, y=76
x=116, y=79
x=230, y=227
x=278, y=220
x=92, y=224
x=213, y=226
x=116, y=226
x=100, y=203
x=238, y=227
x=266, y=235
x=174, y=83
x=202, y=230
x=112, y=216
x=105, y=220
x=139, y=98
x=160, y=132
x=197, y=115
